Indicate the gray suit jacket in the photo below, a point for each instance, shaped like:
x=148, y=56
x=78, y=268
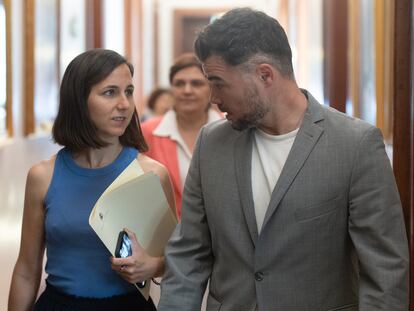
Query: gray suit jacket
x=333, y=237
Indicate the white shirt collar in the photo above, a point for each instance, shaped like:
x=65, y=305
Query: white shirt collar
x=168, y=126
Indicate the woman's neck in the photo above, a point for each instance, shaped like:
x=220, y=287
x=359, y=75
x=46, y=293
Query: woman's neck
x=192, y=122
x=96, y=158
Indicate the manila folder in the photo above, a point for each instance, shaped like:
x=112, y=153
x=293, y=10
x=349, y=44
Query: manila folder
x=140, y=205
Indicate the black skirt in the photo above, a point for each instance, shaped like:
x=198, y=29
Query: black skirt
x=53, y=300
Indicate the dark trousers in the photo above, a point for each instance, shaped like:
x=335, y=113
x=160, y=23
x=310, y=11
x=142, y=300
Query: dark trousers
x=52, y=299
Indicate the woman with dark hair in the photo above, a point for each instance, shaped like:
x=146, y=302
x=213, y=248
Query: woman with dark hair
x=171, y=138
x=97, y=124
x=159, y=102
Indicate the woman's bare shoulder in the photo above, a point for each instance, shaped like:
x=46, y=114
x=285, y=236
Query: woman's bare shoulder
x=40, y=174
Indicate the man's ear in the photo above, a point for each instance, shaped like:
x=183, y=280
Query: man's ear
x=266, y=73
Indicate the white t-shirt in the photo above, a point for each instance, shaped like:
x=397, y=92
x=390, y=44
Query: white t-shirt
x=268, y=158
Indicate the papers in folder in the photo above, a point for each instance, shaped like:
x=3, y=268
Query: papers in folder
x=135, y=200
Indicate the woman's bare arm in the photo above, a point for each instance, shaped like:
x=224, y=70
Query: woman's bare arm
x=28, y=269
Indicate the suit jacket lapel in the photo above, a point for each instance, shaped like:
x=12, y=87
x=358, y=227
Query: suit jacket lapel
x=305, y=141
x=243, y=156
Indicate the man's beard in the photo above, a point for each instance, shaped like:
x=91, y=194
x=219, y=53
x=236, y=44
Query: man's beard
x=256, y=110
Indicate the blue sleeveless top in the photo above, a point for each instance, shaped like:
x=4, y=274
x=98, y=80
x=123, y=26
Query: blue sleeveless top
x=77, y=261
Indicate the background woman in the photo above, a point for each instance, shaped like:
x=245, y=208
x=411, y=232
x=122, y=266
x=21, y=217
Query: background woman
x=98, y=126
x=171, y=138
x=159, y=102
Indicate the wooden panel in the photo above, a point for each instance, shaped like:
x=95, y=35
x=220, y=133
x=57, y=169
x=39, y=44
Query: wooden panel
x=335, y=43
x=136, y=47
x=191, y=25
x=384, y=26
x=94, y=38
x=9, y=77
x=127, y=28
x=389, y=70
x=354, y=57
x=180, y=15
x=403, y=137
x=379, y=62
x=29, y=74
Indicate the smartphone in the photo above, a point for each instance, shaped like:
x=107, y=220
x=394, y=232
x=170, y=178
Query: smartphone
x=123, y=246
x=124, y=249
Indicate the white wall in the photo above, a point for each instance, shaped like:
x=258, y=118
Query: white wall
x=113, y=28
x=148, y=46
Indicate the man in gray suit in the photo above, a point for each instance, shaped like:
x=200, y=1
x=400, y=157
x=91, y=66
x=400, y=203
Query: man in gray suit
x=288, y=205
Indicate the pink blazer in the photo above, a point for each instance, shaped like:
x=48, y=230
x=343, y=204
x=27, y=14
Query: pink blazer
x=164, y=150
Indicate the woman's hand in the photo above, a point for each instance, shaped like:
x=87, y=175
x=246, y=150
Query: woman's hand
x=139, y=266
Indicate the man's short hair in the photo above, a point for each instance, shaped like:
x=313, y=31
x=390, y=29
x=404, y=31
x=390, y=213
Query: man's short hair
x=73, y=127
x=241, y=34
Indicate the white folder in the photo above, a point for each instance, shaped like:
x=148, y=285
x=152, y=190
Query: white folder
x=135, y=200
